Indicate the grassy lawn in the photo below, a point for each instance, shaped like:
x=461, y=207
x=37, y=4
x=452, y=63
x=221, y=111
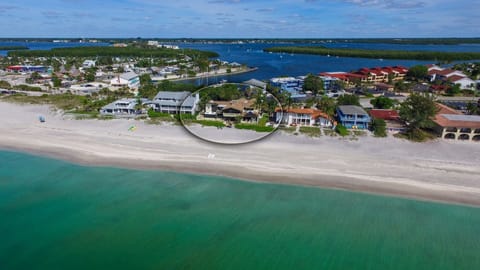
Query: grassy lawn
x=359, y=133
x=417, y=136
x=84, y=106
x=153, y=114
x=255, y=127
x=290, y=130
x=64, y=101
x=157, y=117
x=263, y=121
x=311, y=131
x=330, y=132
x=209, y=123
x=261, y=126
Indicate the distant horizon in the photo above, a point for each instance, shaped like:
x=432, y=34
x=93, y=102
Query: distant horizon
x=240, y=38
x=237, y=19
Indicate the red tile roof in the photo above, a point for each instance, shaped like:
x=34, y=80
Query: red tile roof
x=384, y=114
x=439, y=87
x=364, y=72
x=446, y=72
x=442, y=121
x=455, y=78
x=15, y=67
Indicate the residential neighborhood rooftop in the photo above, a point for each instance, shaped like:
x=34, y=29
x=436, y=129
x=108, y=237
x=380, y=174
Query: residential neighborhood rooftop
x=464, y=121
x=129, y=75
x=256, y=82
x=384, y=114
x=313, y=112
x=352, y=109
x=170, y=95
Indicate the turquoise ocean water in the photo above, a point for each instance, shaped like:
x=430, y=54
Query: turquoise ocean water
x=56, y=215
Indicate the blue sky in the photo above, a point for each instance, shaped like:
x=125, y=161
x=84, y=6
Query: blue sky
x=240, y=18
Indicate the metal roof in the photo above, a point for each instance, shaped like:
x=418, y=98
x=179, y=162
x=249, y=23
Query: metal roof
x=256, y=82
x=171, y=95
x=131, y=102
x=129, y=75
x=168, y=98
x=462, y=117
x=352, y=109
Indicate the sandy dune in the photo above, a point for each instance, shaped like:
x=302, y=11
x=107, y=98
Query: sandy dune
x=439, y=170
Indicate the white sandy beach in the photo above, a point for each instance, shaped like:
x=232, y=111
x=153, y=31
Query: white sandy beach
x=438, y=170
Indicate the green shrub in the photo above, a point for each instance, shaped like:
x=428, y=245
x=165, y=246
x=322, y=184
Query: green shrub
x=379, y=128
x=263, y=121
x=5, y=85
x=343, y=131
x=418, y=135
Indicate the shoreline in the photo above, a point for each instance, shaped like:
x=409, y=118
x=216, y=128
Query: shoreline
x=215, y=75
x=399, y=168
x=331, y=182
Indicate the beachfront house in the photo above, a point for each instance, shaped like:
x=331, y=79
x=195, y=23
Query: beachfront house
x=391, y=118
x=353, y=117
x=175, y=102
x=129, y=79
x=123, y=107
x=239, y=109
x=453, y=125
x=302, y=117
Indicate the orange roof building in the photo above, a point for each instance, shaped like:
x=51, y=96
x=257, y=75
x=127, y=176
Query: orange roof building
x=302, y=117
x=452, y=124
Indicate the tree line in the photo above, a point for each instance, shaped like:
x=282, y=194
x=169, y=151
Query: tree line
x=8, y=48
x=382, y=54
x=113, y=52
